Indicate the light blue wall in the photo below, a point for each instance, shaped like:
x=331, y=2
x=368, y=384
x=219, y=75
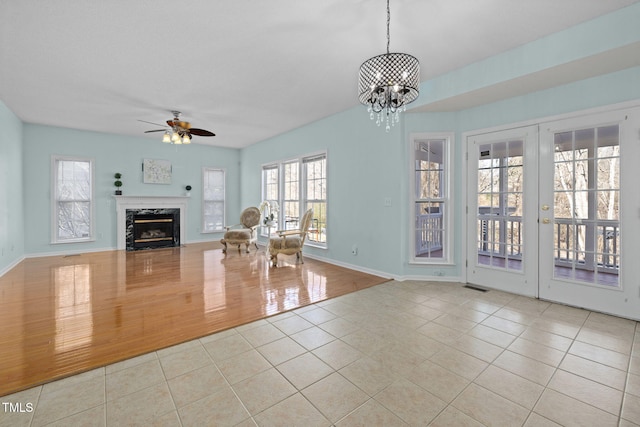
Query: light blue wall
x=113, y=153
x=609, y=89
x=11, y=189
x=606, y=33
x=364, y=167
x=367, y=165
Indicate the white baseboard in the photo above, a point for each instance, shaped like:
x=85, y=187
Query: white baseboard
x=67, y=253
x=350, y=266
x=10, y=266
x=452, y=279
x=192, y=242
x=112, y=248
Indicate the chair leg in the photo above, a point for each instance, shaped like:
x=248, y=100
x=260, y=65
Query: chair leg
x=256, y=245
x=300, y=257
x=224, y=242
x=239, y=250
x=247, y=245
x=274, y=260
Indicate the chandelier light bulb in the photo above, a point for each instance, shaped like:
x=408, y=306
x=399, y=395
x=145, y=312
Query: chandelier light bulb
x=186, y=139
x=166, y=138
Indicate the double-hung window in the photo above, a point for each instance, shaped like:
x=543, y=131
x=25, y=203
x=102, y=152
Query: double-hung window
x=212, y=200
x=297, y=185
x=431, y=211
x=72, y=200
x=291, y=195
x=315, y=175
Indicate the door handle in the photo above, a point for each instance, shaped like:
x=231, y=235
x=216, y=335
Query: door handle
x=546, y=220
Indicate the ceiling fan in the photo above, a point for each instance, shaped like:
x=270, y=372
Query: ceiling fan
x=178, y=131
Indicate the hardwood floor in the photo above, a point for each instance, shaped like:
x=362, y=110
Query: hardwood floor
x=63, y=315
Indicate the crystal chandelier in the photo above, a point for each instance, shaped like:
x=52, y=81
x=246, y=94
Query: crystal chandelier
x=388, y=82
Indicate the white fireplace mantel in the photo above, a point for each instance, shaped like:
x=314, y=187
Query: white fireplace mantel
x=148, y=202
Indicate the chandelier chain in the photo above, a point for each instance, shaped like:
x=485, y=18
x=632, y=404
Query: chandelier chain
x=388, y=23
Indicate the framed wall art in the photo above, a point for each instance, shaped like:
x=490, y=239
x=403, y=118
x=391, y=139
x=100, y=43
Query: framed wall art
x=156, y=171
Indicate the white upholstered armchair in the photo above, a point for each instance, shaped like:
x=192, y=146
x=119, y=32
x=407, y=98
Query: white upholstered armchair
x=243, y=233
x=290, y=242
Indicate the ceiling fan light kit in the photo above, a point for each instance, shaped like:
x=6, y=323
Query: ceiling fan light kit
x=388, y=82
x=179, y=132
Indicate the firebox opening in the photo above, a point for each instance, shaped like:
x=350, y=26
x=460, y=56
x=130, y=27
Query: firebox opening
x=150, y=229
x=157, y=228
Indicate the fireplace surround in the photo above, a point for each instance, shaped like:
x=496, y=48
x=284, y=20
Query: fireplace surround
x=167, y=214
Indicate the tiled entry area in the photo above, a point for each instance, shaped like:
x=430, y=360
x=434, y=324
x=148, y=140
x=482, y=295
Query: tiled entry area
x=400, y=353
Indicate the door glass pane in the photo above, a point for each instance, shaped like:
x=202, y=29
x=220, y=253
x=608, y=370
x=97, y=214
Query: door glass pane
x=500, y=205
x=586, y=206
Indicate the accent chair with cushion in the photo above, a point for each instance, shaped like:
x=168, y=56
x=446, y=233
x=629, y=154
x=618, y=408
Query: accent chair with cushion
x=290, y=242
x=243, y=233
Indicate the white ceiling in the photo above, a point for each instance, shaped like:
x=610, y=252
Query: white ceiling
x=246, y=70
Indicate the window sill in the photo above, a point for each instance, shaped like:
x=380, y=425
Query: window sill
x=65, y=242
x=432, y=263
x=316, y=245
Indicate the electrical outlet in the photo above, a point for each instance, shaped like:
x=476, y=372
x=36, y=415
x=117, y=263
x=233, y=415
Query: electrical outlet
x=387, y=202
x=354, y=250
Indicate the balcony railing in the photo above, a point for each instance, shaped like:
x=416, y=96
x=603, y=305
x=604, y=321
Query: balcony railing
x=581, y=245
x=500, y=235
x=587, y=244
x=428, y=233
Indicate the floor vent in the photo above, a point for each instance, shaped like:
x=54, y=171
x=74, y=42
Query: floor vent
x=475, y=288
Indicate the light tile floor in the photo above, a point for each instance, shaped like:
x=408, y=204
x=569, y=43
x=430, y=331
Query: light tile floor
x=401, y=353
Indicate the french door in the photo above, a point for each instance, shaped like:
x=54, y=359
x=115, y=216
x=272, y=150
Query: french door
x=556, y=213
x=502, y=251
x=590, y=212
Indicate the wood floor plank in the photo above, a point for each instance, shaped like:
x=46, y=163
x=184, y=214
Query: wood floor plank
x=63, y=315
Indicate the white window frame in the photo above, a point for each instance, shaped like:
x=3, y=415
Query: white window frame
x=445, y=199
x=294, y=165
x=55, y=160
x=302, y=185
x=318, y=229
x=205, y=171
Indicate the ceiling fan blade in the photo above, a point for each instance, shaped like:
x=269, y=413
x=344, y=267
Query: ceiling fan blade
x=155, y=130
x=201, y=132
x=151, y=123
x=180, y=124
